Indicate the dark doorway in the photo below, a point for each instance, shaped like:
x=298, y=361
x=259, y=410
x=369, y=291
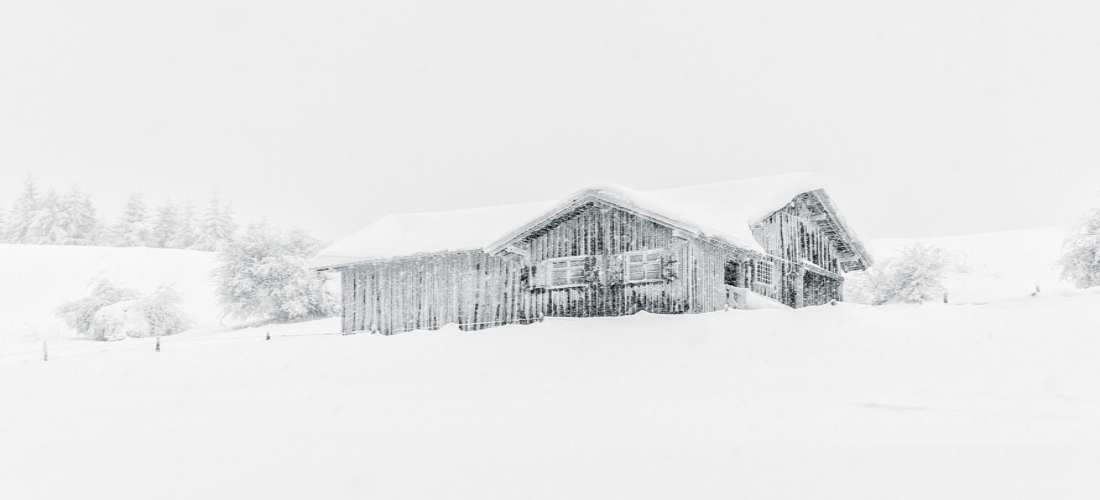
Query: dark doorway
x=818, y=289
x=733, y=274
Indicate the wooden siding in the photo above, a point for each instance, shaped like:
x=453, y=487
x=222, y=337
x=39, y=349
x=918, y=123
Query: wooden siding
x=788, y=234
x=471, y=289
x=811, y=263
x=606, y=233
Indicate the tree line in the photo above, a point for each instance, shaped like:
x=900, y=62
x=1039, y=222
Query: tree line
x=49, y=218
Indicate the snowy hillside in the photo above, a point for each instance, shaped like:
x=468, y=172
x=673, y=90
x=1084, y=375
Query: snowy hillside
x=992, y=266
x=844, y=402
x=36, y=279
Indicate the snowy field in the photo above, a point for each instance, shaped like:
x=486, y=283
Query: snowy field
x=995, y=401
x=998, y=397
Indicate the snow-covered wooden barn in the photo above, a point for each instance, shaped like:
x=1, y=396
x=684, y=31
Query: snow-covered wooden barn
x=603, y=251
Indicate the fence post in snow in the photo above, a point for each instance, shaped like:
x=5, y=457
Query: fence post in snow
x=158, y=344
x=268, y=336
x=45, y=351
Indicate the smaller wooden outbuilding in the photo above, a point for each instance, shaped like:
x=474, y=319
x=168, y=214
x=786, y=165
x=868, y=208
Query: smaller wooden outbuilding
x=603, y=251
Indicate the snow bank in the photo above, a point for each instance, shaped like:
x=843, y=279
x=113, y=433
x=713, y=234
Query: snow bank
x=754, y=300
x=846, y=402
x=36, y=279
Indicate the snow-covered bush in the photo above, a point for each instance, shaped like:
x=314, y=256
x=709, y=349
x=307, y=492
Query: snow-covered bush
x=264, y=275
x=913, y=277
x=120, y=320
x=113, y=313
x=79, y=314
x=1080, y=260
x=162, y=310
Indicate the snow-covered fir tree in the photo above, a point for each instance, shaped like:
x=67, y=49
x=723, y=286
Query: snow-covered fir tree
x=186, y=233
x=1080, y=260
x=23, y=212
x=166, y=225
x=78, y=218
x=217, y=226
x=264, y=274
x=49, y=226
x=63, y=222
x=134, y=228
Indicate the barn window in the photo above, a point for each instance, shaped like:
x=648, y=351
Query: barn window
x=568, y=271
x=642, y=266
x=764, y=272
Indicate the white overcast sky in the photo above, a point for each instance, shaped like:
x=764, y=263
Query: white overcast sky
x=932, y=117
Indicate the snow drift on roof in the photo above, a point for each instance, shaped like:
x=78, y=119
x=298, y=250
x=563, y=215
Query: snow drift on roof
x=397, y=235
x=725, y=210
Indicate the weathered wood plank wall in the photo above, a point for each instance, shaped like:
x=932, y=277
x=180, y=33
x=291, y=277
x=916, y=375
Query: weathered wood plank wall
x=606, y=233
x=471, y=289
x=795, y=238
x=791, y=234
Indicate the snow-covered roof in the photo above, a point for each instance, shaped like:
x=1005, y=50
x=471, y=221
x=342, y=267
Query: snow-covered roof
x=724, y=210
x=398, y=235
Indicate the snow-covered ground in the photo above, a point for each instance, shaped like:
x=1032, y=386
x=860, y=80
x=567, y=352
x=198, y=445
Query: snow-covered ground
x=939, y=401
x=998, y=398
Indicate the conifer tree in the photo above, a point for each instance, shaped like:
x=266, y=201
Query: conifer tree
x=166, y=225
x=133, y=228
x=73, y=220
x=82, y=223
x=217, y=227
x=48, y=226
x=63, y=222
x=186, y=233
x=22, y=213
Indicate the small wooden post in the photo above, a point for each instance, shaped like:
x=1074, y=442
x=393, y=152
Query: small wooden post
x=158, y=344
x=268, y=336
x=45, y=351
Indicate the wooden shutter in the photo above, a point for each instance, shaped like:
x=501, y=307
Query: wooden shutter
x=669, y=270
x=614, y=267
x=591, y=270
x=542, y=274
